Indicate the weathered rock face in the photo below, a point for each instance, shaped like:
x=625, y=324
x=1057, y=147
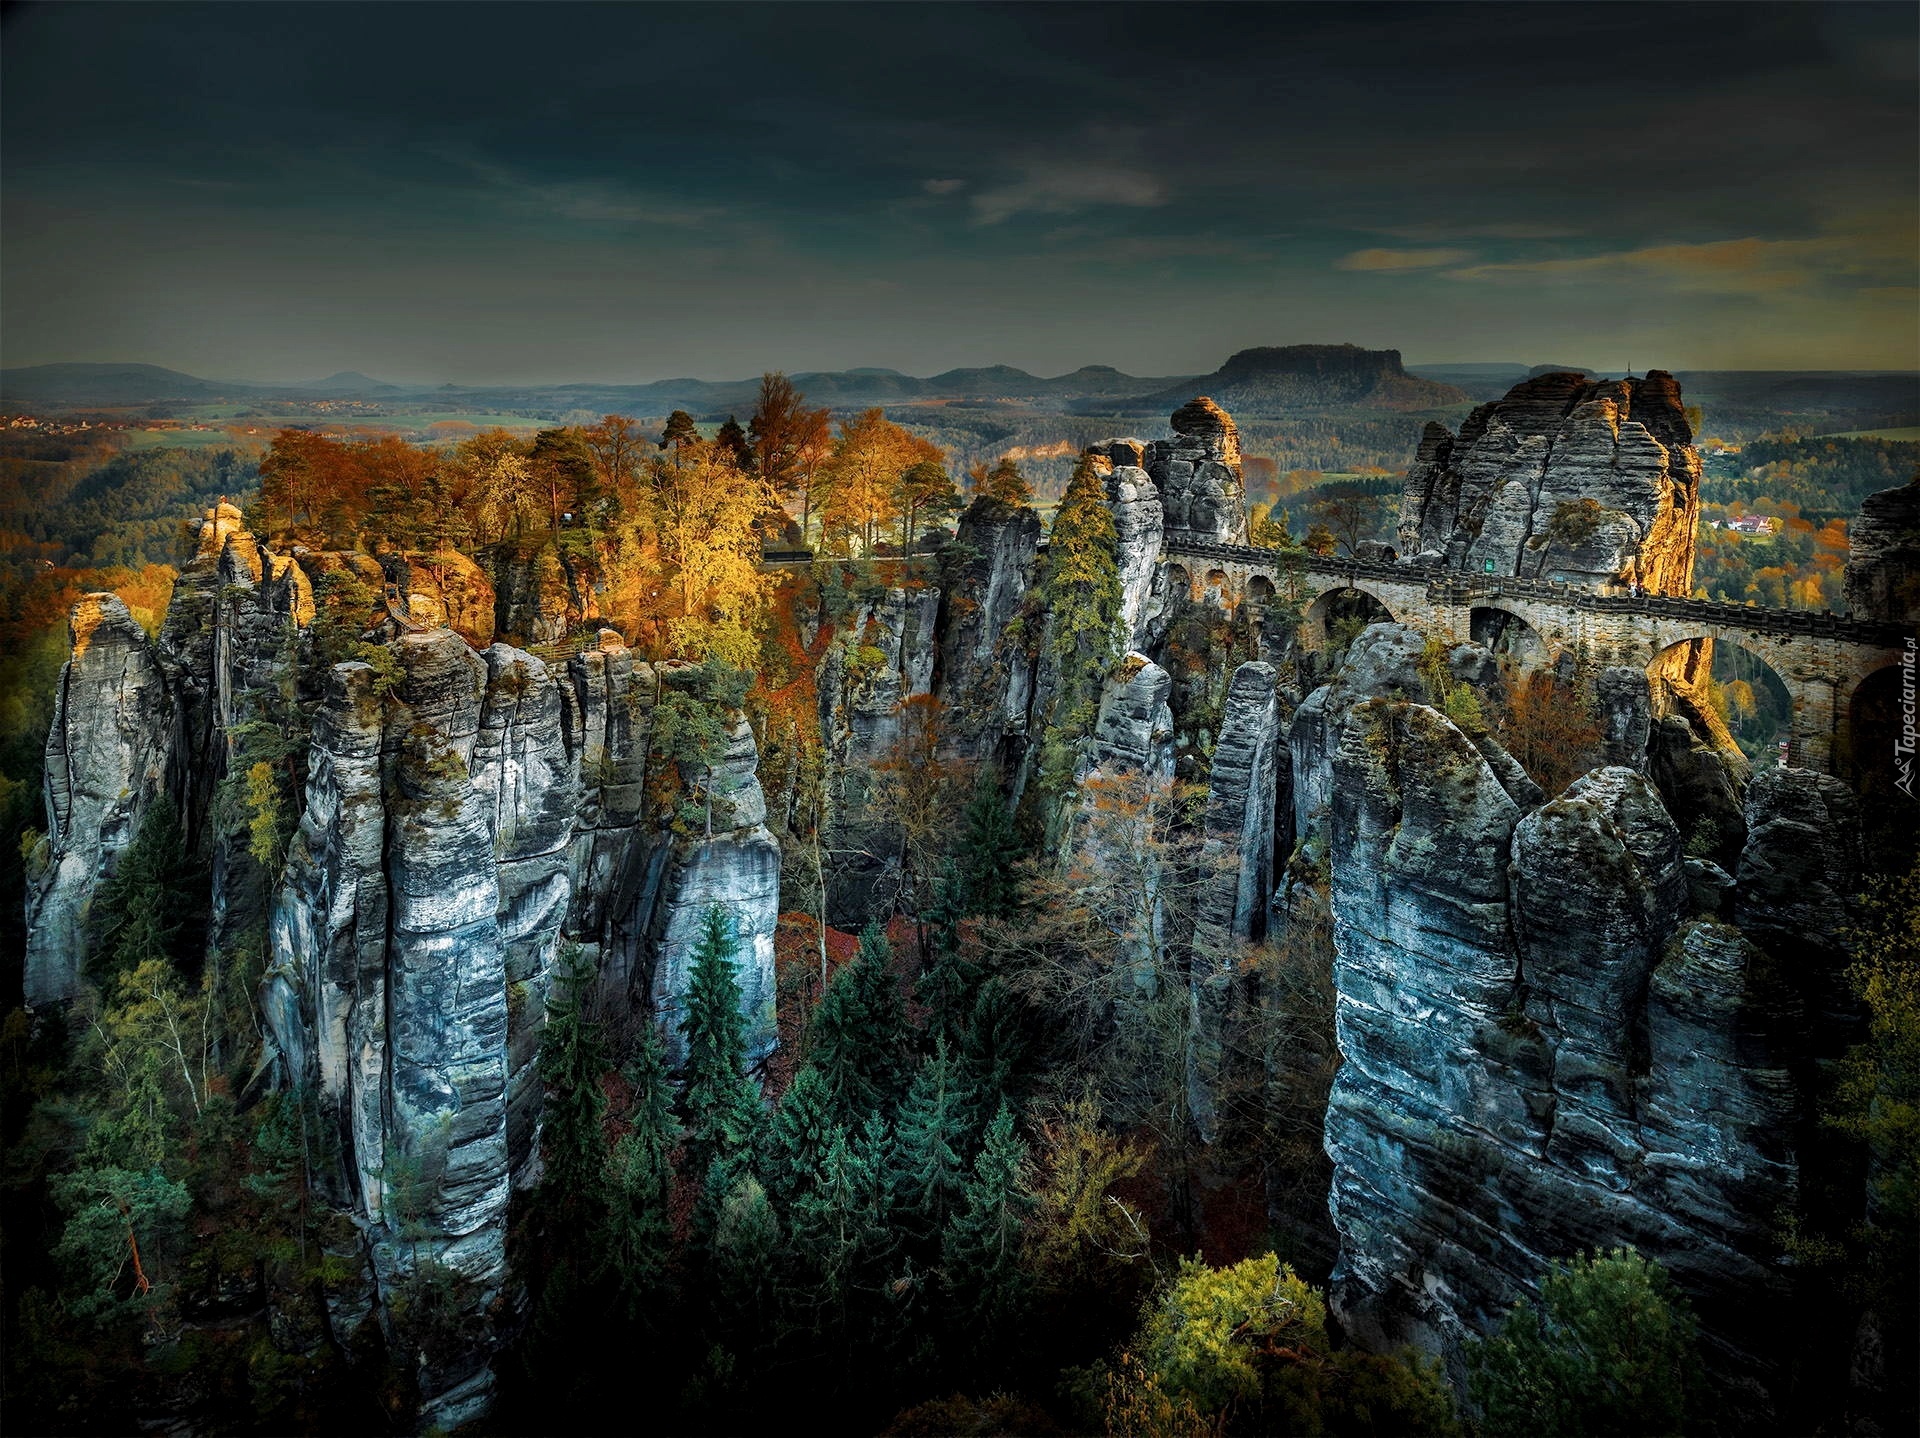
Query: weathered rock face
x=464, y=813
x=1139, y=526
x=107, y=758
x=1509, y=494
x=608, y=698
x=1625, y=702
x=1195, y=476
x=1801, y=864
x=1883, y=563
x=1236, y=869
x=410, y=950
x=881, y=661
x=540, y=591
x=1533, y=1061
x=1239, y=821
x=985, y=668
x=444, y=590
x=733, y=861
x=1134, y=733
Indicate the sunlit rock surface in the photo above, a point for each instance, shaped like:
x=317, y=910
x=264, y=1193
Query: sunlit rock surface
x=1508, y=494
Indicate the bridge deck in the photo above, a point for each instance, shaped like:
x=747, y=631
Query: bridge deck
x=1455, y=587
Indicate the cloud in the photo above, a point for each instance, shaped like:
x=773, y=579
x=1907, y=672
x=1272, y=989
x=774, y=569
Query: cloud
x=591, y=202
x=1745, y=266
x=1067, y=189
x=942, y=187
x=1401, y=259
x=1480, y=231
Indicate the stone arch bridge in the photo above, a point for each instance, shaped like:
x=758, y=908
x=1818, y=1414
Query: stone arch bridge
x=1822, y=659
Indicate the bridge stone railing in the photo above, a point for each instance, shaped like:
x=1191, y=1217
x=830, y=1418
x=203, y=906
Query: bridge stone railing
x=1455, y=588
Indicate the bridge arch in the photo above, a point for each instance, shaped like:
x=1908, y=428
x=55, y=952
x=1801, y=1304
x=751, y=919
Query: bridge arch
x=1872, y=721
x=1219, y=588
x=1764, y=711
x=1179, y=582
x=1507, y=635
x=1338, y=610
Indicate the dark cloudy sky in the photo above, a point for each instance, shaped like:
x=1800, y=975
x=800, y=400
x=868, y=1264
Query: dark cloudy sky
x=557, y=192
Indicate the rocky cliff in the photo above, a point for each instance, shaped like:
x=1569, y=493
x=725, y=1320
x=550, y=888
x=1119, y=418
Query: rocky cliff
x=1883, y=563
x=107, y=757
x=1547, y=1045
x=464, y=812
x=1594, y=482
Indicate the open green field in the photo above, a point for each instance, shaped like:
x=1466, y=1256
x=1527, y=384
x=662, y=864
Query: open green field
x=138, y=439
x=242, y=416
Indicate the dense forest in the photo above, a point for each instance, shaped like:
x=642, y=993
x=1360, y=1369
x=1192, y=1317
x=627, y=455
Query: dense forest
x=961, y=1196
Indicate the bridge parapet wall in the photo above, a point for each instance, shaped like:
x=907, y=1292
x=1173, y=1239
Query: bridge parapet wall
x=1821, y=658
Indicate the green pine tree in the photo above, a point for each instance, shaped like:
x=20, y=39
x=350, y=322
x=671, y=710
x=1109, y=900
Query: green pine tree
x=721, y=1104
x=802, y=1126
x=946, y=986
x=930, y=1159
x=993, y=1047
x=680, y=431
x=639, y=1239
x=745, y=1246
x=573, y=1059
x=989, y=849
x=143, y=909
x=858, y=1035
x=983, y=1275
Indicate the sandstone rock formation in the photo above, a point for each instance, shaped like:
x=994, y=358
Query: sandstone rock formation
x=1594, y=482
x=1195, y=477
x=984, y=670
x=1883, y=562
x=1139, y=524
x=1542, y=1050
x=107, y=759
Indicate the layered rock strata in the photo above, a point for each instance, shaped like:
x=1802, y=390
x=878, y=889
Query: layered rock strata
x=1544, y=1050
x=1883, y=559
x=107, y=760
x=1593, y=482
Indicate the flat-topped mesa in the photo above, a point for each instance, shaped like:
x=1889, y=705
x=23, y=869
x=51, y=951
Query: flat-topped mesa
x=1592, y=481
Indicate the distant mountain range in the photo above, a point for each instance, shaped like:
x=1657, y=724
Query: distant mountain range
x=1261, y=382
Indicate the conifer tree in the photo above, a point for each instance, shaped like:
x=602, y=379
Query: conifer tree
x=745, y=1245
x=680, y=432
x=721, y=1105
x=993, y=1045
x=573, y=1058
x=639, y=1227
x=930, y=1165
x=945, y=987
x=731, y=440
x=838, y=1244
x=802, y=1128
x=989, y=849
x=981, y=1249
x=142, y=909
x=859, y=1030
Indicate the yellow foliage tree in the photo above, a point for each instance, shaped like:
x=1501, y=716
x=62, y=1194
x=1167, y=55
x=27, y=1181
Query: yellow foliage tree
x=702, y=514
